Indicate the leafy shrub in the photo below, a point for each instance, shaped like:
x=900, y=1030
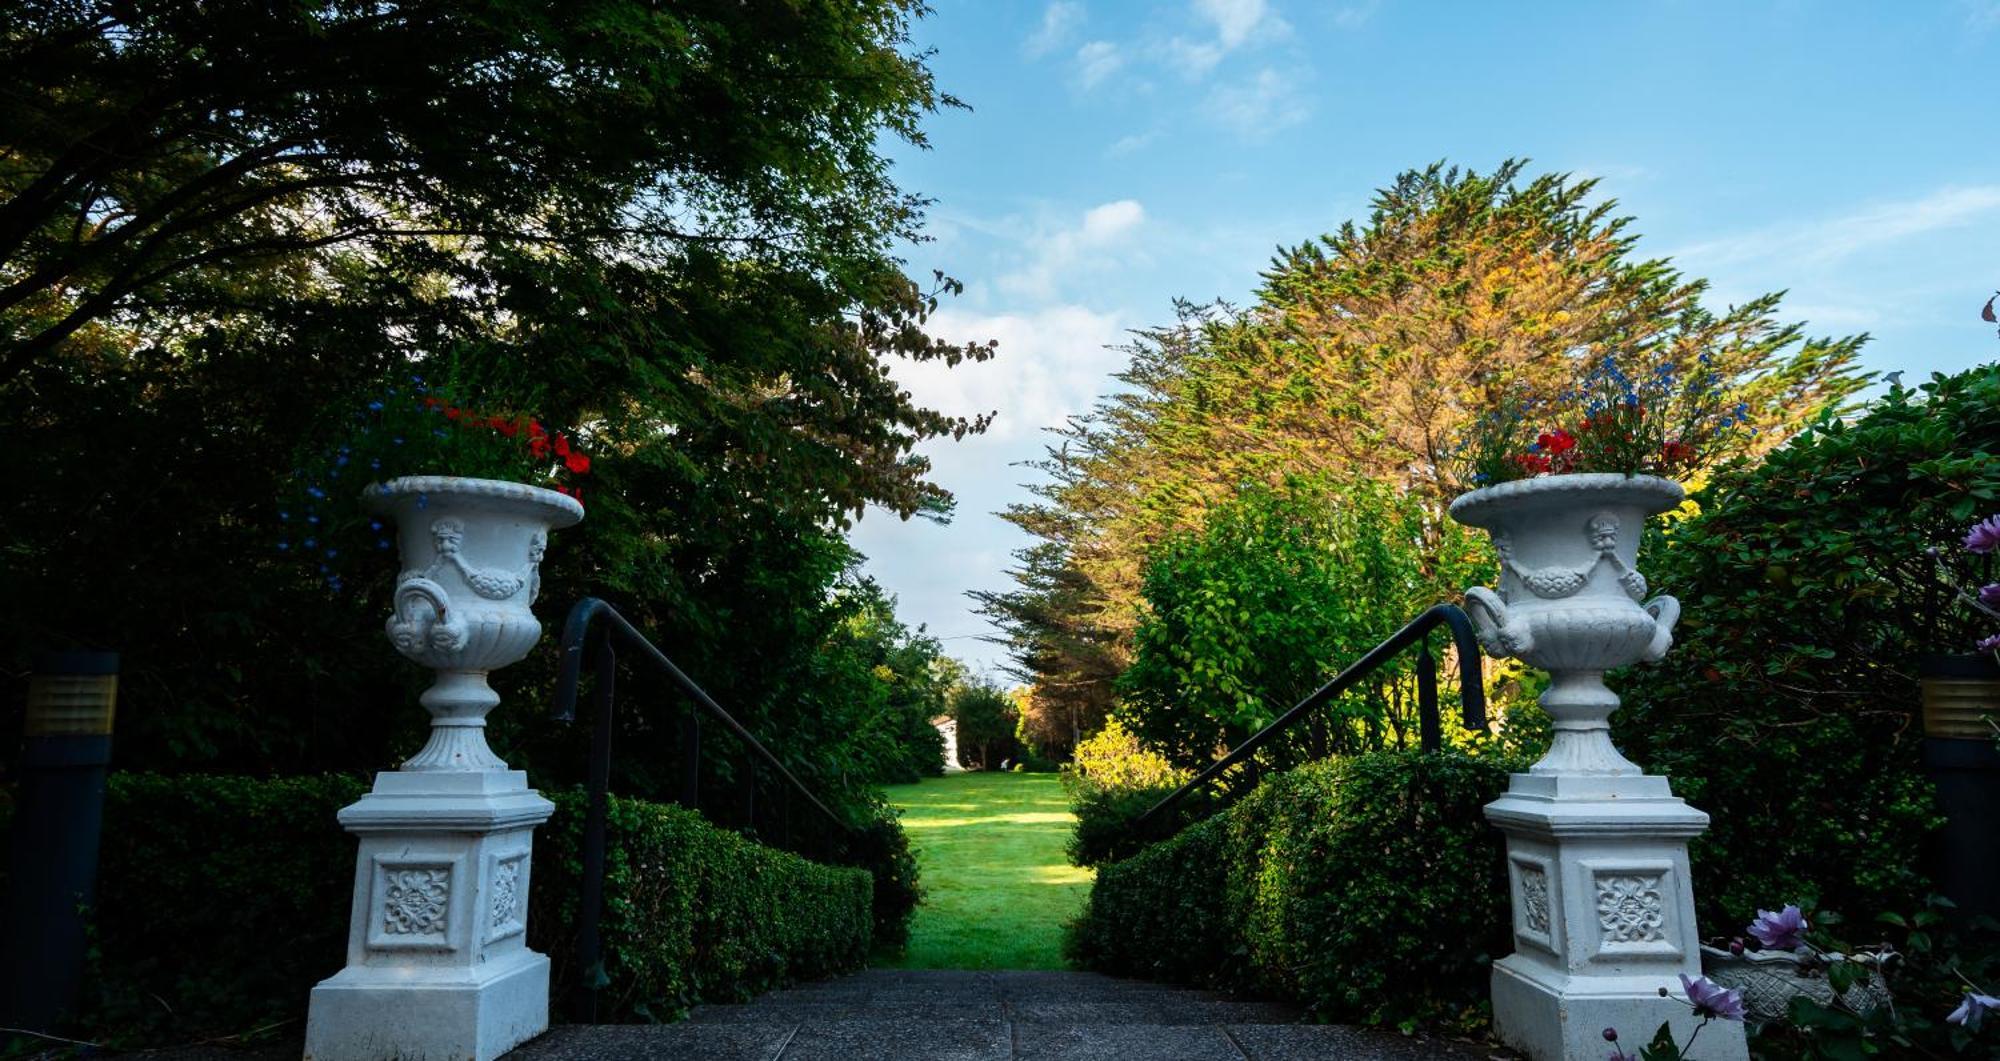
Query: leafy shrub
x=1107, y=826
x=1278, y=591
x=1787, y=707
x=223, y=900
x=1368, y=888
x=691, y=912
x=1113, y=758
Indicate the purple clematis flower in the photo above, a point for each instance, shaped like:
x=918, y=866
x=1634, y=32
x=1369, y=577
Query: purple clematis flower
x=1975, y=1009
x=1984, y=535
x=1783, y=930
x=1990, y=595
x=1711, y=999
x=1990, y=644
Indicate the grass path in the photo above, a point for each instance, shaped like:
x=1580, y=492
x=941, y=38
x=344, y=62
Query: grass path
x=997, y=888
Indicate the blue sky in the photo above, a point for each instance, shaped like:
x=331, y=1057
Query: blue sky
x=1118, y=155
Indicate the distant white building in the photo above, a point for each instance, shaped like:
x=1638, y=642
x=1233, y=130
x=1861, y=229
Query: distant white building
x=948, y=727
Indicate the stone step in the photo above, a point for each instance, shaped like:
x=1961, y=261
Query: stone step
x=897, y=1039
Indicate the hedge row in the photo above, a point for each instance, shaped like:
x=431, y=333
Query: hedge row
x=1370, y=889
x=222, y=900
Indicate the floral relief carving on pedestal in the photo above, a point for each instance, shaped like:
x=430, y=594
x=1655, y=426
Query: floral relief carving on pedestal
x=1535, y=898
x=506, y=911
x=1631, y=908
x=415, y=900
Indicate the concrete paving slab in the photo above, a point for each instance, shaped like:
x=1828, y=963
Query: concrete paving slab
x=1122, y=1042
x=901, y=1040
x=658, y=1042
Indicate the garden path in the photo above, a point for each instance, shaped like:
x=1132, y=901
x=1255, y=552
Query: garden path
x=997, y=886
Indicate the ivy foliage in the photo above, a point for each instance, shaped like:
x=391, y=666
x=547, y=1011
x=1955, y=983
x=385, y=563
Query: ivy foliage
x=1368, y=888
x=1789, y=706
x=196, y=865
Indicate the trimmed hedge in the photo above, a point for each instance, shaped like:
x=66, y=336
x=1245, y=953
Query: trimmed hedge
x=1369, y=888
x=223, y=900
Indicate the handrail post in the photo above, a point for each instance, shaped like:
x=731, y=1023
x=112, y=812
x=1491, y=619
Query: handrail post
x=590, y=904
x=1427, y=697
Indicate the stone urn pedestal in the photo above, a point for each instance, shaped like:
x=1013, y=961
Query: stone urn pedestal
x=438, y=965
x=1603, y=910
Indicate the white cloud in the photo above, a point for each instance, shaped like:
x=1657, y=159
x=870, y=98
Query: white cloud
x=1103, y=236
x=1125, y=145
x=1052, y=364
x=1354, y=16
x=1259, y=106
x=1096, y=61
x=1234, y=24
x=1831, y=240
x=1059, y=21
x=1236, y=20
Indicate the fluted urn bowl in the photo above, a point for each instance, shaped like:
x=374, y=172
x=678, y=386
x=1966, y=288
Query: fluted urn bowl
x=471, y=554
x=1569, y=598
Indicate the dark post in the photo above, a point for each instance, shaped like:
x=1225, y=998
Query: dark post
x=590, y=903
x=1427, y=697
x=57, y=826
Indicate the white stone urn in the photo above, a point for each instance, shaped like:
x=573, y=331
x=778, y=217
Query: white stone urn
x=472, y=555
x=438, y=964
x=1602, y=907
x=1571, y=599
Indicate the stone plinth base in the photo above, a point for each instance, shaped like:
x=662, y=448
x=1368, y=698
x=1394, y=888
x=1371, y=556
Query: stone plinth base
x=438, y=966
x=1603, y=916
x=432, y=1015
x=1550, y=1018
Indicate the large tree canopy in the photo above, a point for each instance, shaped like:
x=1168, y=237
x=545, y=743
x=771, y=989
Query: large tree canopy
x=665, y=228
x=1366, y=354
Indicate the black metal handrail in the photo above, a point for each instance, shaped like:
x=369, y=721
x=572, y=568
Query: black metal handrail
x=1471, y=684
x=583, y=619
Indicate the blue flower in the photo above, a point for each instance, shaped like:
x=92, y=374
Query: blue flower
x=381, y=543
x=284, y=515
x=375, y=524
x=312, y=519
x=315, y=491
x=398, y=440
x=284, y=547
x=375, y=463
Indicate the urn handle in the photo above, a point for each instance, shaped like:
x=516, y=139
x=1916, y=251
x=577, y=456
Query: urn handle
x=423, y=619
x=1666, y=611
x=1501, y=632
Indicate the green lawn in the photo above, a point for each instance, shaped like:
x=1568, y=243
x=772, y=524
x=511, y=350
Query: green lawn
x=997, y=889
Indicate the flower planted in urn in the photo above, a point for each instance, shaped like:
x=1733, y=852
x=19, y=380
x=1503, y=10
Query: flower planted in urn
x=1659, y=421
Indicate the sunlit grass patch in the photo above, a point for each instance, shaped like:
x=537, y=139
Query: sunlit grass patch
x=997, y=886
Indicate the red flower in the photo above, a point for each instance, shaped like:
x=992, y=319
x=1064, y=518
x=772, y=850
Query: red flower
x=539, y=446
x=1557, y=441
x=562, y=445
x=1677, y=453
x=508, y=428
x=536, y=430
x=453, y=412
x=1532, y=463
x=577, y=463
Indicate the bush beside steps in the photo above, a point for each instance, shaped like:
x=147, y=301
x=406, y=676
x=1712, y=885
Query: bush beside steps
x=223, y=900
x=1368, y=889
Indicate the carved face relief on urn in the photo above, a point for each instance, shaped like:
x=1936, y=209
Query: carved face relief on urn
x=471, y=569
x=1570, y=598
